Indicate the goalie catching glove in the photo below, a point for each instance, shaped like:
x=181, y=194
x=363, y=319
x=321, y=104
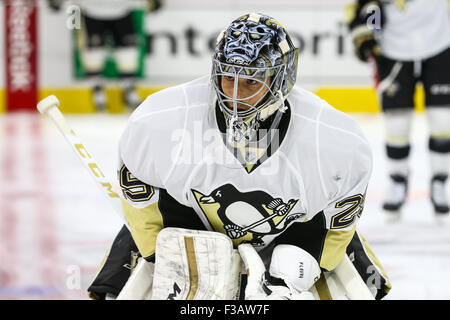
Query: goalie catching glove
x=292, y=273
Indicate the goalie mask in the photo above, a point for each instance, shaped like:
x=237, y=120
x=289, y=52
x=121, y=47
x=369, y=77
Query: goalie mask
x=254, y=48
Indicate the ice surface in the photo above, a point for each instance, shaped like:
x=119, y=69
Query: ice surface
x=55, y=225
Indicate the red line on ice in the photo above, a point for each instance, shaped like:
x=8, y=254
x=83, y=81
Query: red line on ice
x=8, y=213
x=50, y=264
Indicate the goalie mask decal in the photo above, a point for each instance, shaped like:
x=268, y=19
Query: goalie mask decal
x=246, y=216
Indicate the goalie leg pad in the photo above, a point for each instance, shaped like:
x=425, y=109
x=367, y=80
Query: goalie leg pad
x=195, y=265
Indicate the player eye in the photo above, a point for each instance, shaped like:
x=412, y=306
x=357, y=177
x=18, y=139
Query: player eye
x=251, y=82
x=229, y=78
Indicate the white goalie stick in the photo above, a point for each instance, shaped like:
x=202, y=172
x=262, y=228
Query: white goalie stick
x=49, y=106
x=354, y=285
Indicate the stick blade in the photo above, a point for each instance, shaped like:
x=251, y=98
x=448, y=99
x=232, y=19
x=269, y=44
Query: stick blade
x=46, y=104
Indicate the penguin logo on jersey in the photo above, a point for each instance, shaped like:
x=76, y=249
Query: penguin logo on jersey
x=246, y=216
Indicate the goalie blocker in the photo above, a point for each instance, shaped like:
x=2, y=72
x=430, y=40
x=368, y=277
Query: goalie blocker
x=202, y=265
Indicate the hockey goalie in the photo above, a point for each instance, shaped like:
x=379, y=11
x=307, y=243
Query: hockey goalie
x=240, y=185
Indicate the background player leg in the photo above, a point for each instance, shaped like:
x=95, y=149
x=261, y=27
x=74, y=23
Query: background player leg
x=93, y=58
x=397, y=126
x=439, y=145
x=126, y=54
x=395, y=93
x=436, y=79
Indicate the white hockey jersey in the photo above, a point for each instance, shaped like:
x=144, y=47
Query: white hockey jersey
x=415, y=29
x=322, y=167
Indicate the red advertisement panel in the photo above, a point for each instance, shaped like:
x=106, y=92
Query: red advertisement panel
x=21, y=54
